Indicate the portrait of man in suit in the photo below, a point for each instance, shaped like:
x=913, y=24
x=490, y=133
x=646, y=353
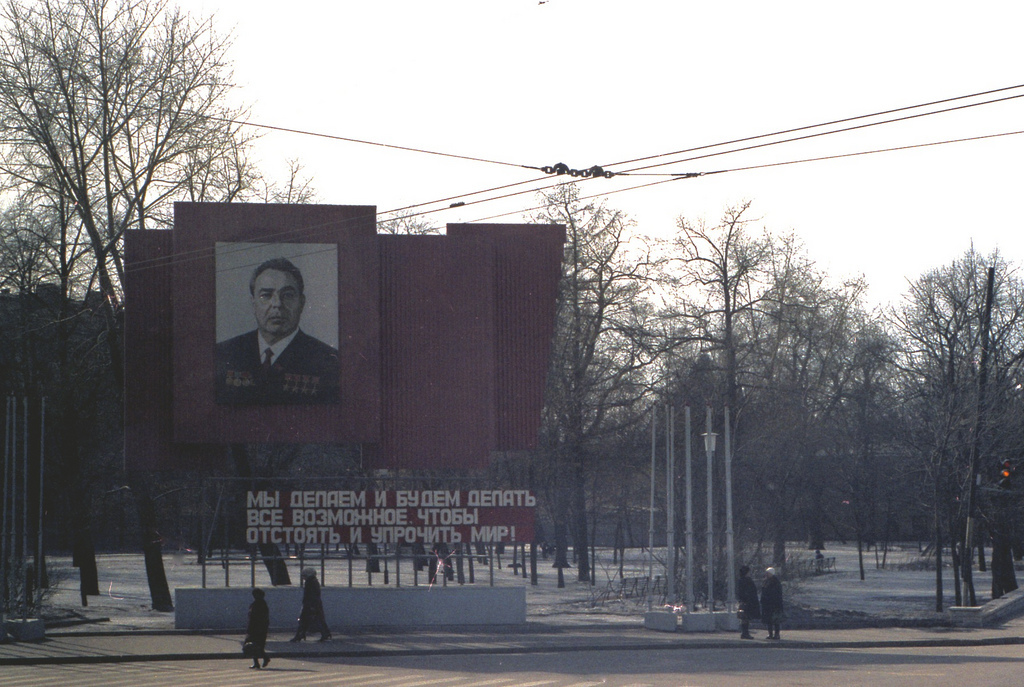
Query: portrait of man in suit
x=277, y=363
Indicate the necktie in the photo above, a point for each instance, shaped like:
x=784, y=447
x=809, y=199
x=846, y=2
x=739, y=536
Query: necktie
x=267, y=355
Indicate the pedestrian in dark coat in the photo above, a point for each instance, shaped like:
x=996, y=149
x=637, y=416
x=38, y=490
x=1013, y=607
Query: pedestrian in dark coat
x=311, y=617
x=257, y=629
x=749, y=606
x=771, y=603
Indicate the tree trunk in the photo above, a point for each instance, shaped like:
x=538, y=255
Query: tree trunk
x=1004, y=579
x=937, y=525
x=83, y=549
x=84, y=558
x=580, y=534
x=561, y=545
x=152, y=544
x=270, y=553
x=860, y=555
x=938, y=565
x=778, y=552
x=954, y=554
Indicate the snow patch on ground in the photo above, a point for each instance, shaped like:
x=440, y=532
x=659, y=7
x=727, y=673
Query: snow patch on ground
x=903, y=589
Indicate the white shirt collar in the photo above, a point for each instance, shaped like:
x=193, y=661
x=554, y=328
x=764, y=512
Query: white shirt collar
x=276, y=349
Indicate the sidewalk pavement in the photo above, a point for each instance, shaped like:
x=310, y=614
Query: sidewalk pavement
x=535, y=637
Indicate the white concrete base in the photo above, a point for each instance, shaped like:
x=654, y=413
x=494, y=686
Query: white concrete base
x=726, y=621
x=993, y=613
x=227, y=608
x=698, y=622
x=966, y=616
x=662, y=621
x=29, y=630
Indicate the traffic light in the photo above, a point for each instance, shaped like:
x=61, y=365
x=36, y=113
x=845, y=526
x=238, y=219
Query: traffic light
x=1005, y=474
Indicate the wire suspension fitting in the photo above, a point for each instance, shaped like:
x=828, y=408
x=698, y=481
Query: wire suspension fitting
x=593, y=172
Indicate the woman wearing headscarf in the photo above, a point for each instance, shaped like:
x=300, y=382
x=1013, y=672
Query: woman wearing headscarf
x=311, y=617
x=750, y=607
x=771, y=603
x=256, y=629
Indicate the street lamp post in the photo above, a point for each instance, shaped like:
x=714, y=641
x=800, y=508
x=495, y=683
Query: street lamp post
x=670, y=501
x=729, y=539
x=690, y=606
x=650, y=532
x=709, y=449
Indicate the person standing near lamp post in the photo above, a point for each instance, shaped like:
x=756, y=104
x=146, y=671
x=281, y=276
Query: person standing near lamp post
x=771, y=603
x=749, y=605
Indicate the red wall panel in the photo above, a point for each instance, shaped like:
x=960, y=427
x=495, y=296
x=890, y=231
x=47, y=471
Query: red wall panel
x=437, y=352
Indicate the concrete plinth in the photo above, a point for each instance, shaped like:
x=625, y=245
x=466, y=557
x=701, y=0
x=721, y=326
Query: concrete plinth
x=698, y=622
x=966, y=616
x=28, y=630
x=662, y=621
x=727, y=621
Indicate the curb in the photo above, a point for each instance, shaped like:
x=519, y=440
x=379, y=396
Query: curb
x=519, y=650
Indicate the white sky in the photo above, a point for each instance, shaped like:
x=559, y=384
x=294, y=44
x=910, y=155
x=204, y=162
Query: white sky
x=590, y=82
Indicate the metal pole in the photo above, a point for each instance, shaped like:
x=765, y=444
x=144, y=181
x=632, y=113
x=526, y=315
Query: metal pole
x=39, y=546
x=690, y=604
x=398, y=564
x=670, y=504
x=711, y=532
x=202, y=536
x=650, y=529
x=8, y=486
x=729, y=541
x=24, y=506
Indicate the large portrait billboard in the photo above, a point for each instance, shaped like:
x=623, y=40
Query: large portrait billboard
x=264, y=323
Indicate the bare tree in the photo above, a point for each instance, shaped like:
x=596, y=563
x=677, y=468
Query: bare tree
x=774, y=339
x=109, y=105
x=940, y=328
x=46, y=259
x=407, y=223
x=112, y=107
x=724, y=274
x=296, y=188
x=603, y=346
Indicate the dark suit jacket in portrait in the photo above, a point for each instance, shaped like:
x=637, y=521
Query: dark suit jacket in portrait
x=306, y=372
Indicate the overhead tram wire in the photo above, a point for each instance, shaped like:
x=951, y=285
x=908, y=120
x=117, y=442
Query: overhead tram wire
x=625, y=162
x=840, y=156
x=378, y=144
x=675, y=175
x=670, y=177
x=634, y=171
x=844, y=120
x=826, y=133
x=202, y=254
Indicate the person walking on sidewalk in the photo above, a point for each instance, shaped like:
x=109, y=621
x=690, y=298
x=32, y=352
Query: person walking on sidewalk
x=771, y=603
x=749, y=606
x=311, y=617
x=255, y=643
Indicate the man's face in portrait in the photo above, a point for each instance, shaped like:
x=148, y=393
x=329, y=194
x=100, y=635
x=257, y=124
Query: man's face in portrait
x=277, y=303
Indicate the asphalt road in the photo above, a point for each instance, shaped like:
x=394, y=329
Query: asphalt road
x=762, y=665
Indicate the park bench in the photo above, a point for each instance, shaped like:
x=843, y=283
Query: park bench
x=824, y=565
x=805, y=567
